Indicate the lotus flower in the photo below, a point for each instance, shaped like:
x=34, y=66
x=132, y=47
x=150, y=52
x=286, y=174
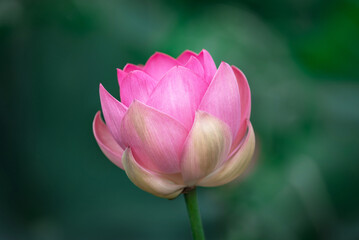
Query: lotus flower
x=181, y=123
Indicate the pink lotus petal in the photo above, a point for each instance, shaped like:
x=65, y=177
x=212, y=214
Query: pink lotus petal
x=206, y=147
x=120, y=75
x=131, y=67
x=185, y=56
x=222, y=98
x=235, y=166
x=155, y=138
x=157, y=184
x=178, y=94
x=137, y=85
x=195, y=65
x=245, y=95
x=105, y=140
x=113, y=112
x=208, y=65
x=158, y=64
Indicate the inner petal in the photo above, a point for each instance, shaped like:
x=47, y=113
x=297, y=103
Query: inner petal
x=178, y=94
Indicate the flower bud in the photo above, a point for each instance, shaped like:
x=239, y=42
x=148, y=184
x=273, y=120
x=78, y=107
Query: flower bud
x=181, y=123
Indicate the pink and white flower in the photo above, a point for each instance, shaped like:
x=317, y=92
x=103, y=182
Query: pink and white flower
x=180, y=123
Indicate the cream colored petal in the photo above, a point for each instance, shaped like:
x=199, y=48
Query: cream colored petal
x=235, y=166
x=157, y=184
x=206, y=147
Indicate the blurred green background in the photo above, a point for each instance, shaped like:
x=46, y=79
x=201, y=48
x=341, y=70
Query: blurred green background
x=301, y=59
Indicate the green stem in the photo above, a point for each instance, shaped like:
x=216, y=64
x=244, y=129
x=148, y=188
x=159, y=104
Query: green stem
x=194, y=215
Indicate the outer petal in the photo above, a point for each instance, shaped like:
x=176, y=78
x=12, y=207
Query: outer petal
x=154, y=183
x=158, y=64
x=195, y=65
x=113, y=112
x=131, y=67
x=120, y=75
x=106, y=142
x=155, y=138
x=208, y=64
x=178, y=94
x=206, y=147
x=245, y=95
x=232, y=168
x=222, y=98
x=136, y=85
x=185, y=56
